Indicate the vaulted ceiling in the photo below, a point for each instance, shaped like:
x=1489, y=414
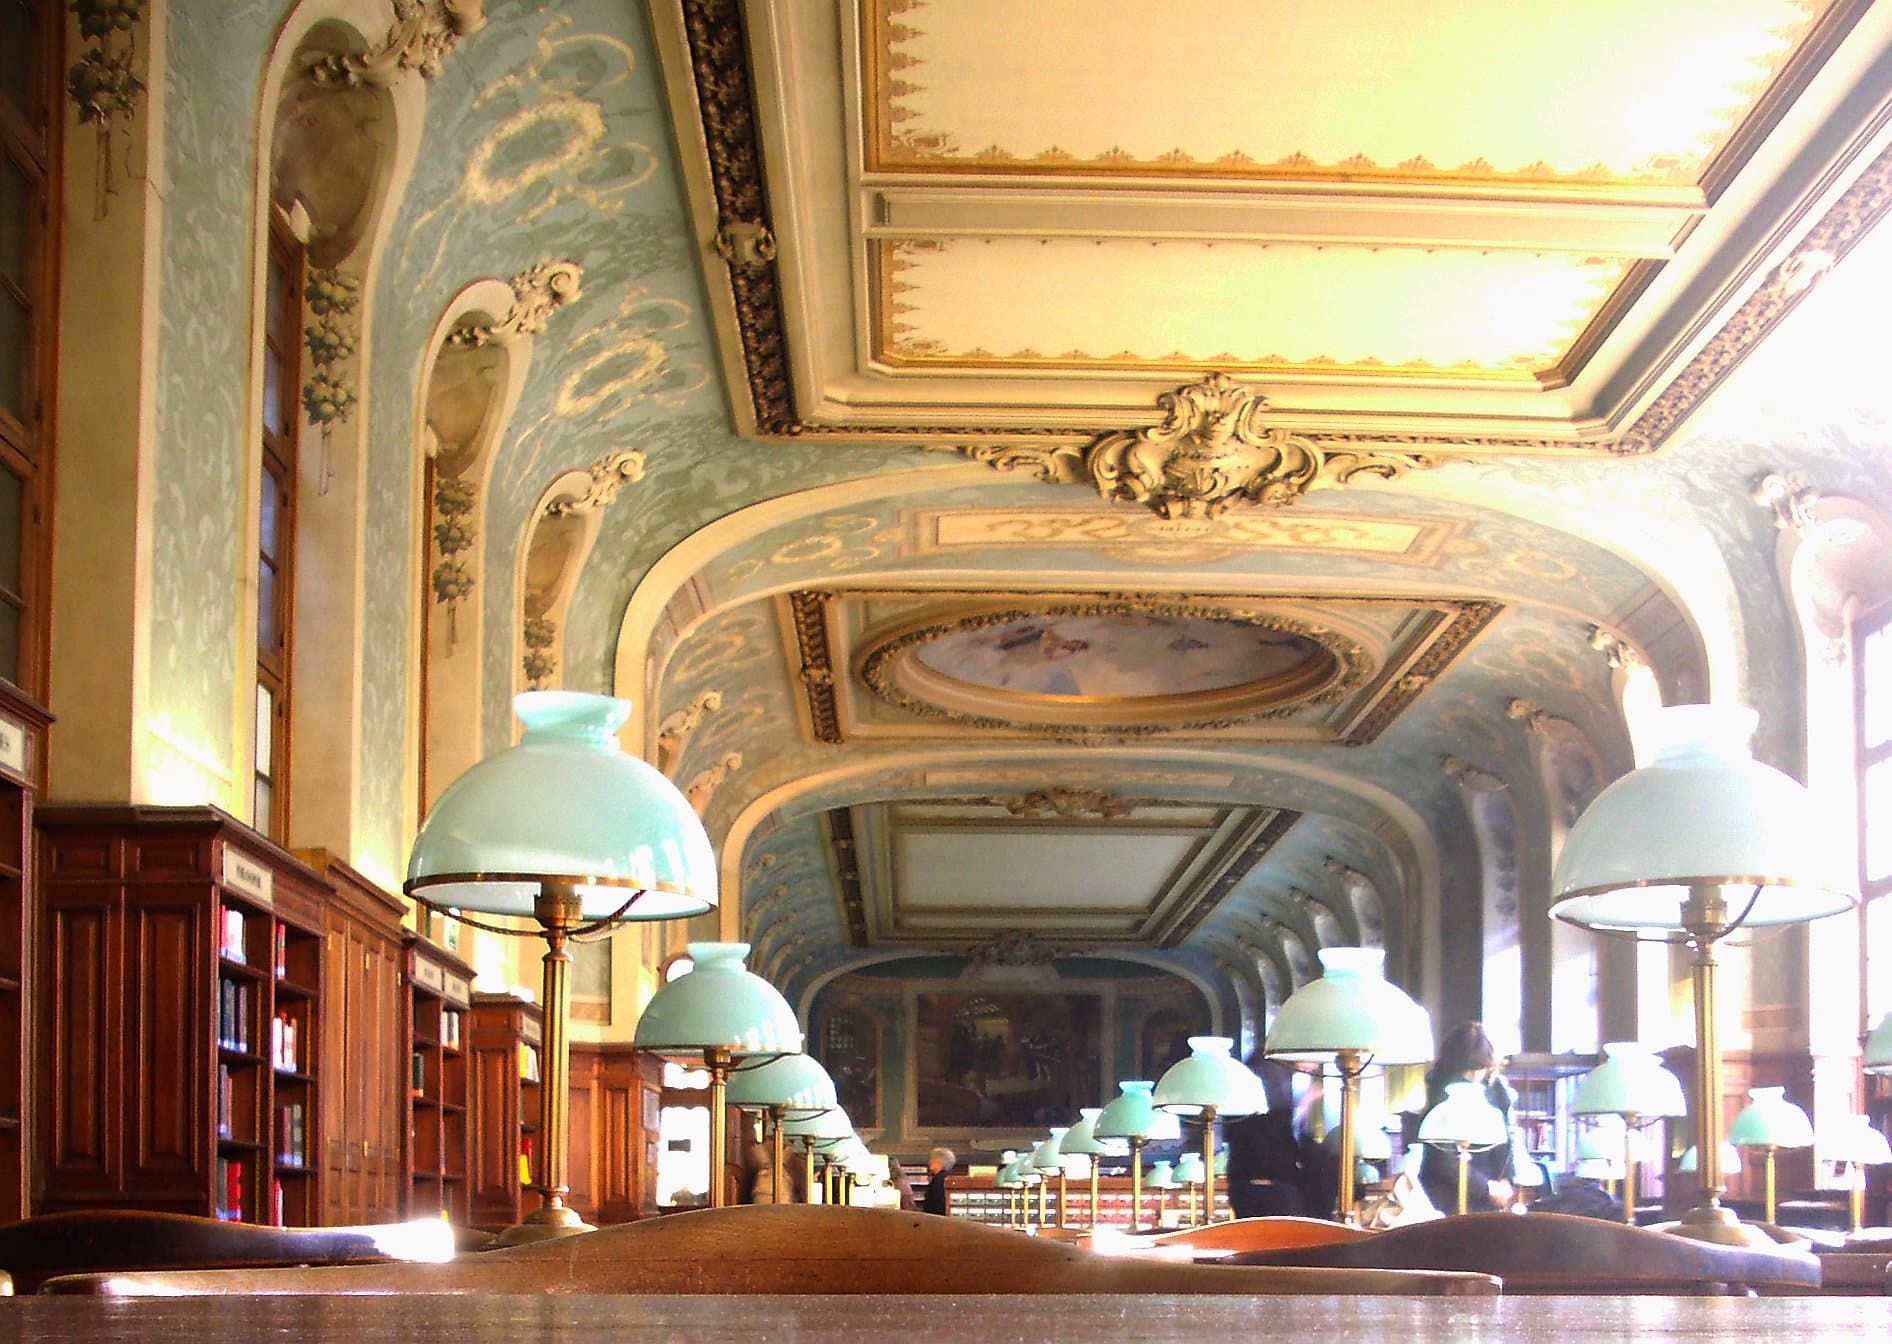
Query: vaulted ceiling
x=1129, y=480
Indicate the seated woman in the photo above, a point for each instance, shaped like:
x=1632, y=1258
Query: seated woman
x=1467, y=1055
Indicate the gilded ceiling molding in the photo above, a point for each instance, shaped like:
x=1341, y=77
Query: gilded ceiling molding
x=676, y=729
x=1070, y=804
x=537, y=293
x=1620, y=652
x=607, y=476
x=1466, y=622
x=420, y=38
x=1792, y=499
x=1852, y=216
x=1211, y=895
x=809, y=610
x=1016, y=949
x=703, y=785
x=838, y=826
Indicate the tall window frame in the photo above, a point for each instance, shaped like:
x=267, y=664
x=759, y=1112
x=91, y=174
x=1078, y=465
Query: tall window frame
x=276, y=526
x=30, y=70
x=1872, y=719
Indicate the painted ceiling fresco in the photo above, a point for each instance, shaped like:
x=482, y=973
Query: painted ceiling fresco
x=549, y=137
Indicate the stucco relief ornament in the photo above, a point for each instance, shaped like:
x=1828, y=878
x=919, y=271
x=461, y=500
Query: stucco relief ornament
x=537, y=293
x=102, y=83
x=424, y=31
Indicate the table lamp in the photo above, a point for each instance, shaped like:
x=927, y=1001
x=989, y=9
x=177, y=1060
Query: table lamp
x=823, y=1127
x=791, y=1087
x=1211, y=1082
x=1856, y=1143
x=1878, y=1058
x=1702, y=841
x=1132, y=1116
x=1006, y=1178
x=1081, y=1140
x=1690, y=1160
x=1047, y=1162
x=1372, y=1148
x=1464, y=1122
x=1770, y=1122
x=1162, y=1179
x=1193, y=1173
x=1632, y=1084
x=565, y=829
x=1351, y=1017
x=1604, y=1150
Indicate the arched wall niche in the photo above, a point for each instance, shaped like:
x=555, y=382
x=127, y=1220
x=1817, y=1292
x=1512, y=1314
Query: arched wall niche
x=562, y=530
x=335, y=162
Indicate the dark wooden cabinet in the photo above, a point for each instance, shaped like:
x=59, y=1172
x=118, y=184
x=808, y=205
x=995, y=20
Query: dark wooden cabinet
x=22, y=742
x=362, y=1026
x=434, y=1090
x=181, y=1008
x=616, y=1096
x=503, y=1043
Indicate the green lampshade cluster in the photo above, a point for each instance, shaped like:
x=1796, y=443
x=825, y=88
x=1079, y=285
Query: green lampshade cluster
x=1189, y=1169
x=1352, y=1006
x=797, y=1084
x=1162, y=1176
x=1081, y=1140
x=1704, y=812
x=1464, y=1119
x=1629, y=1081
x=565, y=804
x=719, y=1005
x=1769, y=1120
x=1045, y=1158
x=1210, y=1078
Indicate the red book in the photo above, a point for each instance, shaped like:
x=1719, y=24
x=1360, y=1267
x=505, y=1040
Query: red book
x=233, y=1189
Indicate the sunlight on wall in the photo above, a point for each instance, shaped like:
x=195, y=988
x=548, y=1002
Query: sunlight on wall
x=178, y=772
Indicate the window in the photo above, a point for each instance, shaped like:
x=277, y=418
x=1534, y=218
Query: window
x=276, y=532
x=1872, y=642
x=28, y=133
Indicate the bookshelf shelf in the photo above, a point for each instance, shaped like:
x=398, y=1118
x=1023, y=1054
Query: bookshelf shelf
x=438, y=993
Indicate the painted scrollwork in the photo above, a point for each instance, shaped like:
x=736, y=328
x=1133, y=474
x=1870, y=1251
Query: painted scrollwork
x=423, y=33
x=537, y=293
x=607, y=476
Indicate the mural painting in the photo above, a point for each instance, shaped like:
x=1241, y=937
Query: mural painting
x=1012, y=1061
x=849, y=1040
x=1117, y=655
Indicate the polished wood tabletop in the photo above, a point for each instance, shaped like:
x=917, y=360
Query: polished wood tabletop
x=473, y=1319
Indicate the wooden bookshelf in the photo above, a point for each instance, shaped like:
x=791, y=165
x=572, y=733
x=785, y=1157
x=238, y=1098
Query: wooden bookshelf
x=22, y=738
x=503, y=1040
x=182, y=1047
x=434, y=1086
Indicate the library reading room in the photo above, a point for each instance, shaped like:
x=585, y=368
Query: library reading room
x=1211, y=669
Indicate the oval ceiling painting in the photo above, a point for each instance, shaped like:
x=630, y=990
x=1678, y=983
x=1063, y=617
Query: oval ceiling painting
x=1116, y=668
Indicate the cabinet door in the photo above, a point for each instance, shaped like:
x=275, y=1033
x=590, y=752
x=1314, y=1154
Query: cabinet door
x=377, y=1052
x=168, y=1128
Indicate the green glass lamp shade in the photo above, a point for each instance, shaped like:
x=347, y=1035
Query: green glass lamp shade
x=1769, y=1120
x=1854, y=1140
x=796, y=1083
x=1081, y=1138
x=1629, y=1081
x=1597, y=1169
x=1603, y=1137
x=822, y=1127
x=565, y=804
x=1189, y=1168
x=1879, y=1047
x=1162, y=1176
x=1045, y=1157
x=1210, y=1076
x=1730, y=1159
x=1704, y=812
x=1130, y=1114
x=852, y=1153
x=1351, y=1006
x=1464, y=1118
x=719, y=1005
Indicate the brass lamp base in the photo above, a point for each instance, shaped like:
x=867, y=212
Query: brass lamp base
x=543, y=1225
x=1721, y=1226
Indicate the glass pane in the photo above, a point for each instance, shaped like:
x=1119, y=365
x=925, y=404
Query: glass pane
x=1876, y=671
x=18, y=41
x=16, y=207
x=265, y=730
x=272, y=516
x=9, y=641
x=1878, y=958
x=1877, y=801
x=12, y=355
x=263, y=796
x=268, y=638
x=272, y=391
x=12, y=493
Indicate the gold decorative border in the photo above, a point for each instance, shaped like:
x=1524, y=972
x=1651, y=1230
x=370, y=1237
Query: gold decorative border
x=880, y=666
x=1212, y=895
x=1468, y=622
x=844, y=854
x=809, y=611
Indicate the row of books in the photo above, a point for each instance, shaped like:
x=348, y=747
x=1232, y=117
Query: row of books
x=529, y=1063
x=234, y=1002
x=292, y=1138
x=285, y=1043
x=233, y=941
x=450, y=1029
x=229, y=1188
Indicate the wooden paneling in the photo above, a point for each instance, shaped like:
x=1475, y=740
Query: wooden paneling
x=22, y=741
x=502, y=1041
x=609, y=1142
